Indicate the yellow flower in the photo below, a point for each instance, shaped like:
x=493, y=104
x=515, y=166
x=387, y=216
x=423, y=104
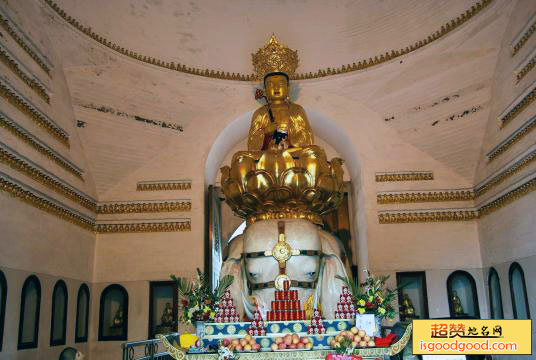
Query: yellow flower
x=206, y=309
x=381, y=310
x=371, y=298
x=212, y=315
x=362, y=302
x=380, y=299
x=361, y=310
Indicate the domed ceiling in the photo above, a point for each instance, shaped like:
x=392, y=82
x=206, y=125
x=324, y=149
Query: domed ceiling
x=221, y=35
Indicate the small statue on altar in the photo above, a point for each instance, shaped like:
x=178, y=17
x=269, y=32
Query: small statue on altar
x=457, y=304
x=167, y=316
x=408, y=311
x=118, y=318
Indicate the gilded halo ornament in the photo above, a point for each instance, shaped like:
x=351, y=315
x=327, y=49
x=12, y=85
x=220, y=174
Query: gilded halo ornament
x=274, y=57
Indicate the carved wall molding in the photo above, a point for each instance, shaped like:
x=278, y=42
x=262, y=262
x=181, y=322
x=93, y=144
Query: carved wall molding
x=23, y=134
x=363, y=64
x=18, y=100
x=404, y=176
x=137, y=207
x=518, y=105
x=24, y=42
x=433, y=215
x=160, y=185
x=526, y=66
x=41, y=201
x=510, y=170
x=27, y=167
x=524, y=35
x=23, y=73
x=518, y=192
x=417, y=196
x=513, y=138
x=144, y=227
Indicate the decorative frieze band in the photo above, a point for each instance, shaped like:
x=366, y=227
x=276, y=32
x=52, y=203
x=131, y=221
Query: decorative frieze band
x=168, y=225
x=24, y=165
x=360, y=65
x=518, y=105
x=524, y=35
x=524, y=189
x=510, y=170
x=466, y=214
x=25, y=106
x=164, y=185
x=23, y=134
x=24, y=74
x=43, y=202
x=404, y=176
x=526, y=66
x=137, y=207
x=24, y=42
x=517, y=135
x=417, y=216
x=397, y=197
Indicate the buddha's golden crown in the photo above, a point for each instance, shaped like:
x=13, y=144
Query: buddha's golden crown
x=281, y=185
x=274, y=57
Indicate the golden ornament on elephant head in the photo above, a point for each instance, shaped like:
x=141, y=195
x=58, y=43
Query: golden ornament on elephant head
x=283, y=174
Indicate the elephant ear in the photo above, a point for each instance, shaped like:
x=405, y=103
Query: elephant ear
x=329, y=287
x=233, y=266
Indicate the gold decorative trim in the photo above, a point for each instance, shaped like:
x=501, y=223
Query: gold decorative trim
x=502, y=176
x=508, y=198
x=5, y=22
x=517, y=135
x=526, y=67
x=524, y=36
x=171, y=226
x=144, y=207
x=27, y=108
x=424, y=196
x=11, y=62
x=404, y=176
x=164, y=185
x=363, y=64
x=418, y=216
x=18, y=162
x=40, y=201
x=38, y=145
x=518, y=107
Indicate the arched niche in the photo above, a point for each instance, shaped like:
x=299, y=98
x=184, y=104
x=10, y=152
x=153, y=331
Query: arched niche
x=3, y=297
x=461, y=285
x=495, y=298
x=58, y=322
x=82, y=314
x=113, y=313
x=518, y=291
x=29, y=313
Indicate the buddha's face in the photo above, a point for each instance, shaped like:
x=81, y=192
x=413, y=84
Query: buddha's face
x=276, y=87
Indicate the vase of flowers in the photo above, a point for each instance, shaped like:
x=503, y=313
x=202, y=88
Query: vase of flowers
x=373, y=297
x=197, y=301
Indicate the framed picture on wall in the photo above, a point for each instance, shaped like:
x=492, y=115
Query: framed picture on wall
x=413, y=297
x=163, y=299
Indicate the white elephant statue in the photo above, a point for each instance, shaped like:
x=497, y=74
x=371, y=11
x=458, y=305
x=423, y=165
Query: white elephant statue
x=314, y=269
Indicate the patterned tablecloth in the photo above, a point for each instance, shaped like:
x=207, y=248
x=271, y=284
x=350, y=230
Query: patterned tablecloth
x=366, y=353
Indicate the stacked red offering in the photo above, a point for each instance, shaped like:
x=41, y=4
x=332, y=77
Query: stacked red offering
x=257, y=325
x=317, y=324
x=286, y=306
x=226, y=311
x=345, y=306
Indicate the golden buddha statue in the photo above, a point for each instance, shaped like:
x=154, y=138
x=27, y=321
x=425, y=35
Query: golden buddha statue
x=167, y=316
x=408, y=311
x=282, y=174
x=456, y=304
x=118, y=318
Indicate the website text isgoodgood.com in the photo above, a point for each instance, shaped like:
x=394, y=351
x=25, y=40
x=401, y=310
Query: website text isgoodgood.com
x=462, y=346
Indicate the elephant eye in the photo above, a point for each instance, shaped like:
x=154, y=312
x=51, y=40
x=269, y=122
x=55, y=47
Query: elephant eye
x=311, y=274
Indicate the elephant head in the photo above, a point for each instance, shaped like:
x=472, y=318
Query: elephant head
x=313, y=270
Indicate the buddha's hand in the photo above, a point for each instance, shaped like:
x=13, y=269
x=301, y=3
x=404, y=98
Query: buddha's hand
x=279, y=136
x=270, y=128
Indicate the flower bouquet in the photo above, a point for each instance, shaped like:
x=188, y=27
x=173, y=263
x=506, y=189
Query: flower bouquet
x=197, y=302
